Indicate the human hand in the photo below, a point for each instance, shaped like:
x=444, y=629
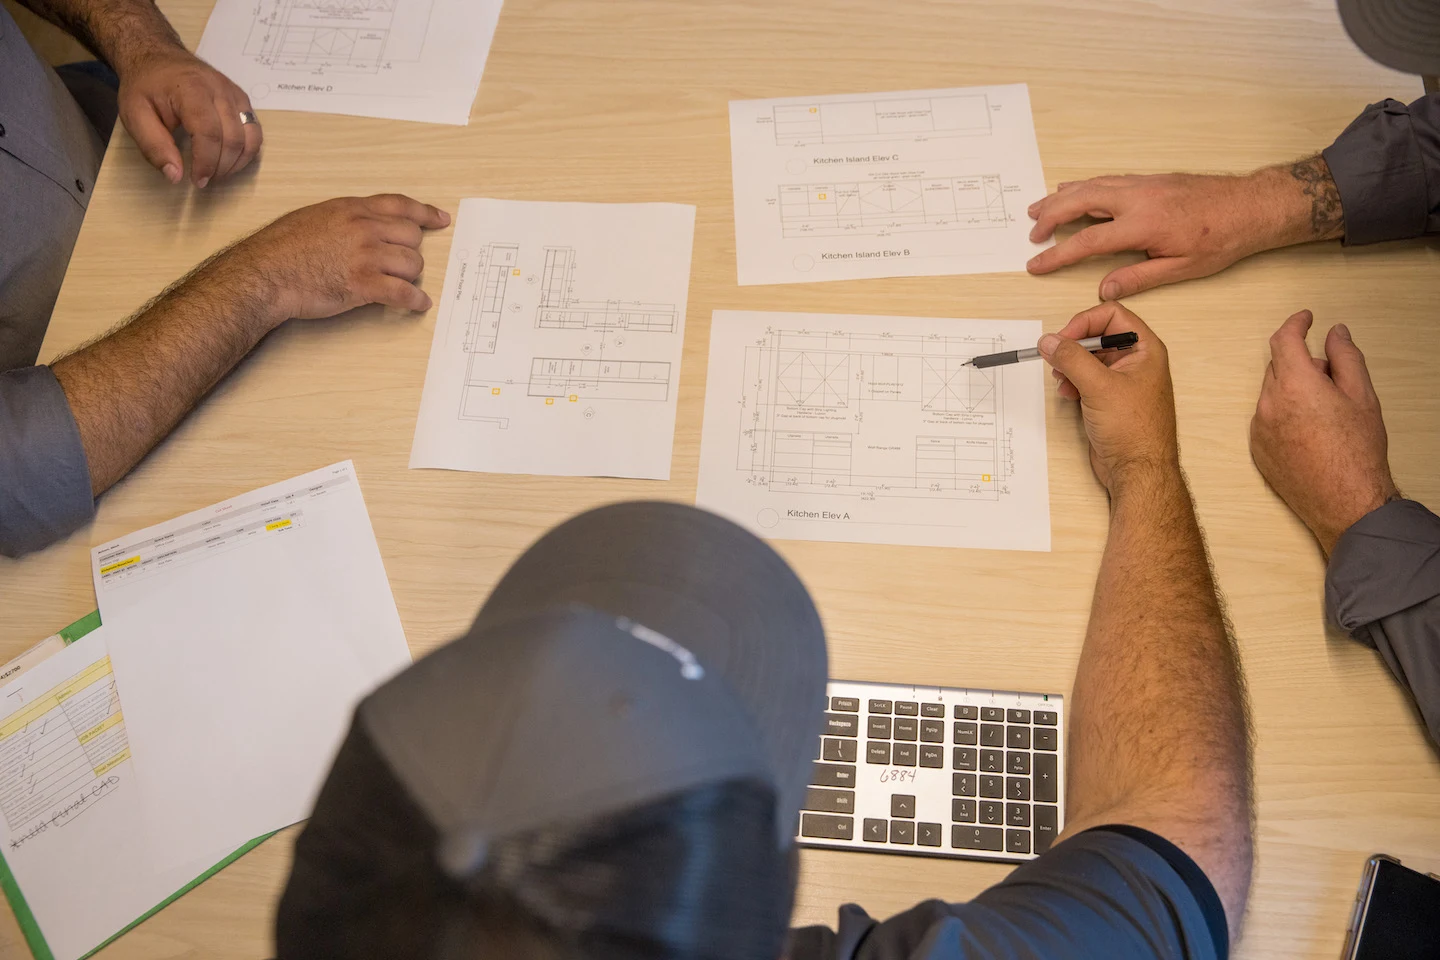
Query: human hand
x=170, y=87
x=1188, y=225
x=1126, y=399
x=333, y=256
x=1317, y=436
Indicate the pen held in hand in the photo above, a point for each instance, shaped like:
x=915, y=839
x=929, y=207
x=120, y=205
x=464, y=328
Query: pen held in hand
x=1110, y=341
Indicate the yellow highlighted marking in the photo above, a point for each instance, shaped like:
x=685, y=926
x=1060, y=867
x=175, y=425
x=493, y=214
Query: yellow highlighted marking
x=495, y=391
x=985, y=477
x=101, y=727
x=278, y=524
x=814, y=109
x=822, y=196
x=53, y=697
x=118, y=564
x=515, y=272
x=573, y=398
x=549, y=401
x=114, y=761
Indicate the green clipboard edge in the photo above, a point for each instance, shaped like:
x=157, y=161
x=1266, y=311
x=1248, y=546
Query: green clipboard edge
x=26, y=920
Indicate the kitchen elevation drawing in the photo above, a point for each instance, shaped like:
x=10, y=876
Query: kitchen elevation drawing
x=875, y=429
x=557, y=346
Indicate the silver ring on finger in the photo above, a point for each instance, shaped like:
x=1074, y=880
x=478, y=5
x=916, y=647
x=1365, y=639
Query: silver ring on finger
x=247, y=116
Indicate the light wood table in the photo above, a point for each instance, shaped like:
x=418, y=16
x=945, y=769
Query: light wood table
x=625, y=100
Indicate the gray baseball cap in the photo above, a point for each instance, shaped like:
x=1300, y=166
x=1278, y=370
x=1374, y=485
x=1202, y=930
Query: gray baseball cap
x=1401, y=34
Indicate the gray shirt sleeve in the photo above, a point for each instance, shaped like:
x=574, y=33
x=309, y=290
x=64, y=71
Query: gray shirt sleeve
x=1386, y=165
x=1383, y=586
x=44, y=476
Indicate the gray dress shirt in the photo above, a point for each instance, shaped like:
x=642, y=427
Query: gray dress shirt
x=1387, y=168
x=49, y=156
x=1383, y=586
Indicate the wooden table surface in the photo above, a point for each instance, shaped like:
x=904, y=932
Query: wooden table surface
x=625, y=101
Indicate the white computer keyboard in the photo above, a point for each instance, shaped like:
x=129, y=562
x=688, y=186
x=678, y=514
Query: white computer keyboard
x=937, y=771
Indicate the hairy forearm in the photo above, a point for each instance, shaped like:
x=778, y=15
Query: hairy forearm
x=121, y=32
x=1159, y=732
x=1300, y=201
x=130, y=388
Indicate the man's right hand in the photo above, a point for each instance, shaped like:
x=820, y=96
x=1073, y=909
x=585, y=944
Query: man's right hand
x=333, y=256
x=1126, y=398
x=1317, y=436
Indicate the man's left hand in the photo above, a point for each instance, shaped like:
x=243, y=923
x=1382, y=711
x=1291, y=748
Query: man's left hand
x=1318, y=436
x=172, y=88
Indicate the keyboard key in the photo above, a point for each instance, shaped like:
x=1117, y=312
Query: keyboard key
x=1017, y=738
x=966, y=712
x=966, y=732
x=966, y=758
x=906, y=708
x=977, y=838
x=1017, y=814
x=830, y=801
x=845, y=704
x=1046, y=718
x=1017, y=716
x=877, y=751
x=878, y=728
x=827, y=828
x=904, y=755
x=1017, y=788
x=992, y=714
x=840, y=725
x=902, y=831
x=992, y=761
x=962, y=811
x=876, y=831
x=929, y=834
x=963, y=784
x=1017, y=841
x=991, y=813
x=932, y=755
x=902, y=805
x=1047, y=740
x=1018, y=763
x=932, y=731
x=832, y=775
x=1047, y=778
x=842, y=750
x=879, y=706
x=993, y=787
x=932, y=710
x=907, y=728
x=1047, y=824
x=991, y=735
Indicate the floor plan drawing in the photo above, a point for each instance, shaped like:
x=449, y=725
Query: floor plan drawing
x=398, y=59
x=589, y=385
x=874, y=429
x=923, y=183
x=857, y=121
x=883, y=207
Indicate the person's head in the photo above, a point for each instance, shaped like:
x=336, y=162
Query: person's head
x=610, y=763
x=1401, y=34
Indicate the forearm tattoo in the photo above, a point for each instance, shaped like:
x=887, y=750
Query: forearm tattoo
x=1327, y=219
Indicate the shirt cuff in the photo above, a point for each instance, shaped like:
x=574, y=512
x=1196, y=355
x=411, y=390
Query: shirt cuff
x=44, y=476
x=1388, y=561
x=1379, y=170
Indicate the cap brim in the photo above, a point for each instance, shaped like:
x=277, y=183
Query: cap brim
x=1401, y=34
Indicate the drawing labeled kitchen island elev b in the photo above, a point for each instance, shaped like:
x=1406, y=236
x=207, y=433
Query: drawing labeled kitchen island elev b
x=875, y=430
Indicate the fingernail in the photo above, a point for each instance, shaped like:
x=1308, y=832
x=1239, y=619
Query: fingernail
x=1032, y=208
x=1343, y=331
x=446, y=215
x=1048, y=343
x=428, y=303
x=1109, y=290
x=1030, y=264
x=201, y=182
x=172, y=172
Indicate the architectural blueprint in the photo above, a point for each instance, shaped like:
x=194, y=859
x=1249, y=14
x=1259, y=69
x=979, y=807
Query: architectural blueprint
x=557, y=344
x=874, y=430
x=399, y=59
x=907, y=184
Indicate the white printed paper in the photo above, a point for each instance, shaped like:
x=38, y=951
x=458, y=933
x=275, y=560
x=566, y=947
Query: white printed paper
x=397, y=59
x=873, y=430
x=558, y=340
x=908, y=184
x=242, y=637
x=73, y=833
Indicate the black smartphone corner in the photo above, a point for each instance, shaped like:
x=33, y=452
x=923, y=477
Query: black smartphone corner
x=1397, y=914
